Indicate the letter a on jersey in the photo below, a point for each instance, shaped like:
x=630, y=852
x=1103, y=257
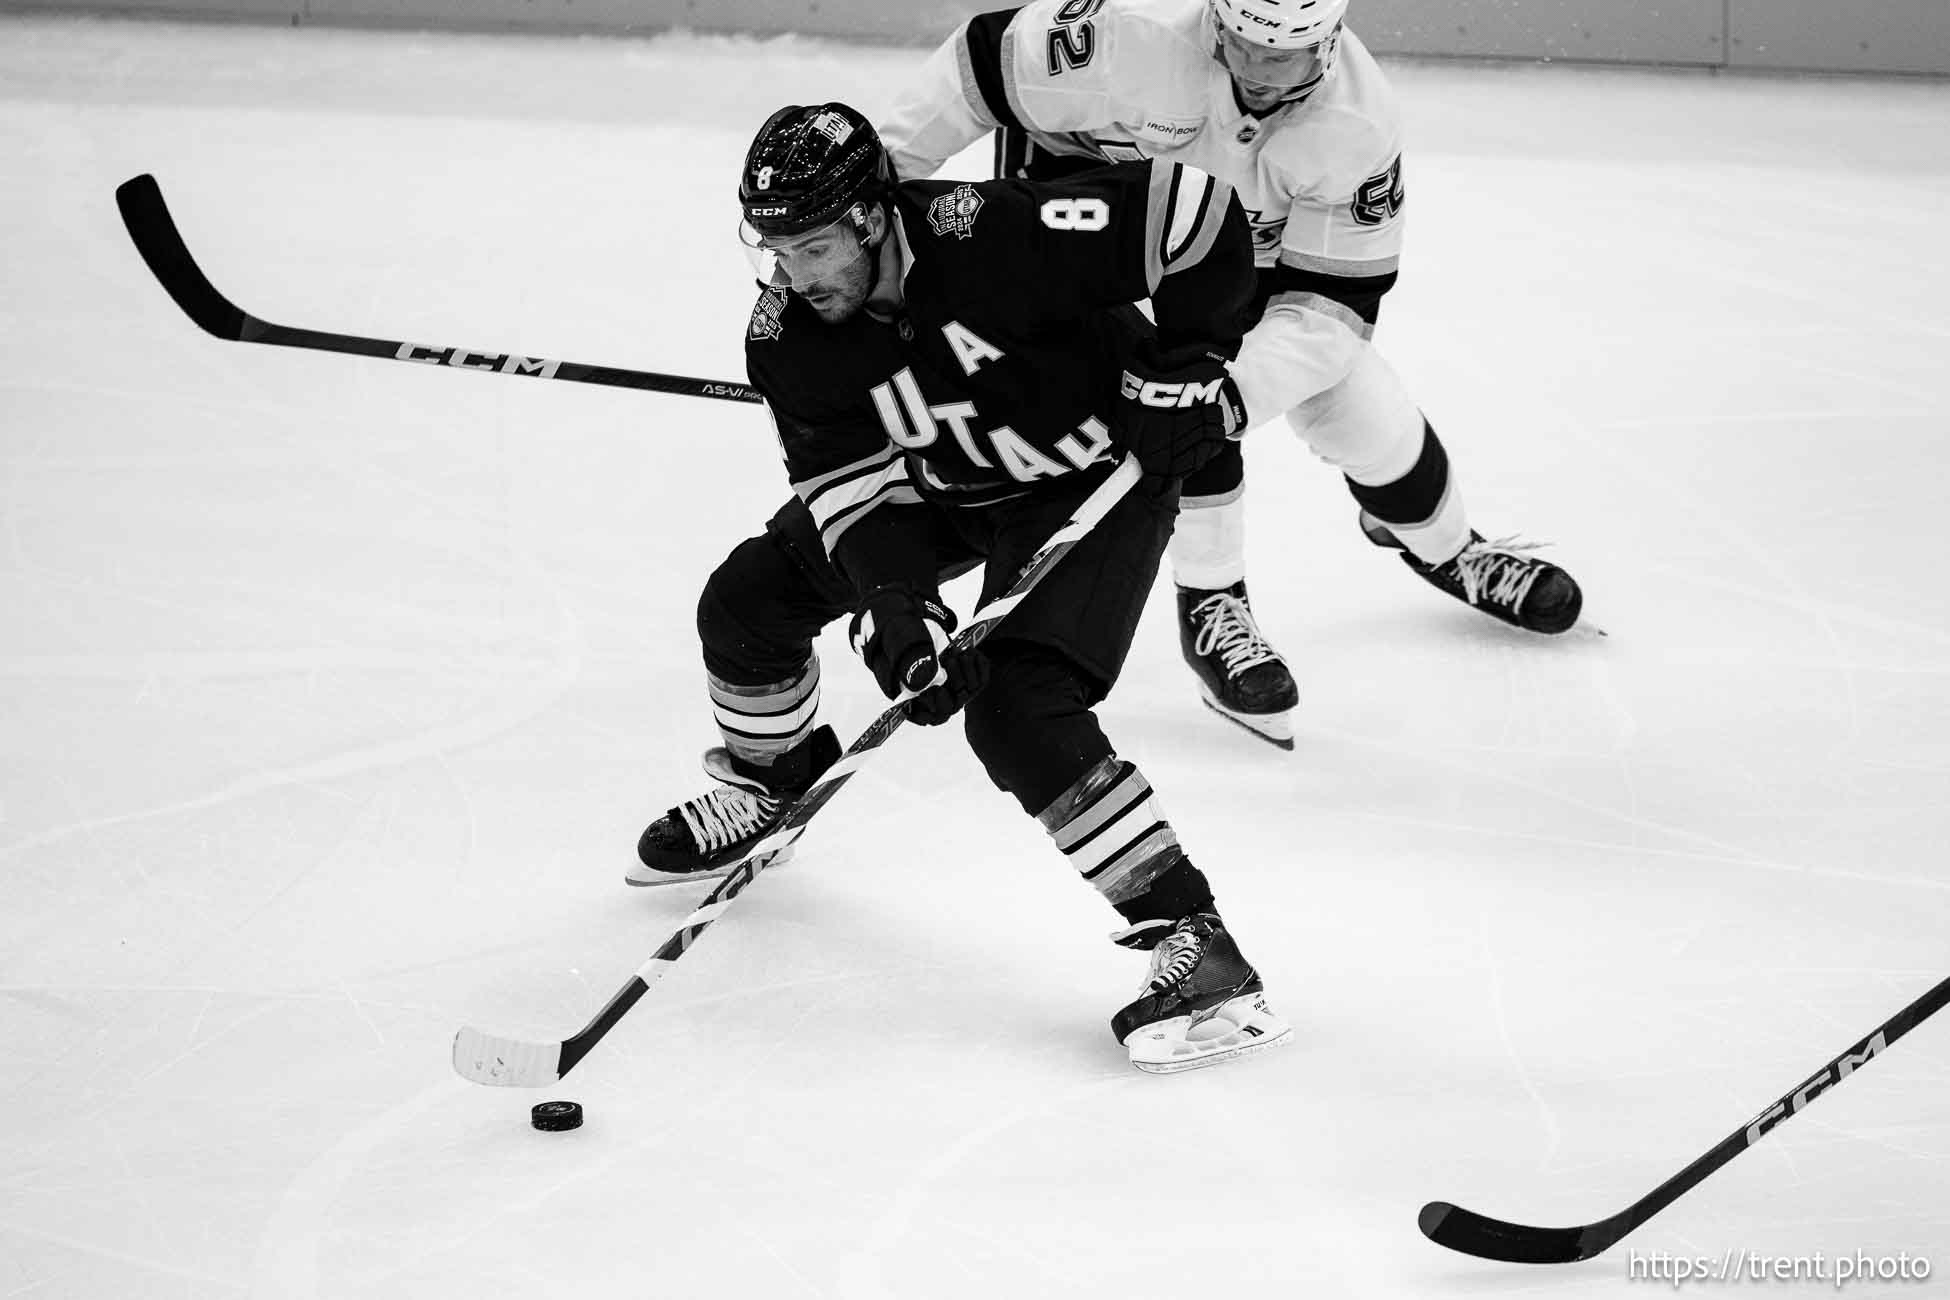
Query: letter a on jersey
x=971, y=349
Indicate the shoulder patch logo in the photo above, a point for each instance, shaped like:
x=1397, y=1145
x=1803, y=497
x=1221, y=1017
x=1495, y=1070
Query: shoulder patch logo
x=765, y=316
x=1381, y=196
x=954, y=213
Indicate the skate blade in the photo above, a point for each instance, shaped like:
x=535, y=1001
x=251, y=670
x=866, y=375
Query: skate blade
x=1239, y=1028
x=642, y=877
x=1273, y=728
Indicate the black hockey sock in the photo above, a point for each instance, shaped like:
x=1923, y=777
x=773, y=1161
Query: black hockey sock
x=1416, y=496
x=1179, y=892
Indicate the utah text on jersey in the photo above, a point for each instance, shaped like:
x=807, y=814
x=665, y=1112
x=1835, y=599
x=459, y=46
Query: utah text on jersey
x=913, y=423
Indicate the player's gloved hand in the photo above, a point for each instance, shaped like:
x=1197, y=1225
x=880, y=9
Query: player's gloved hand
x=903, y=636
x=1177, y=408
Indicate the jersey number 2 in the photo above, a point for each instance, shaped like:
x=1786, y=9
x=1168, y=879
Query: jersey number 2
x=1073, y=39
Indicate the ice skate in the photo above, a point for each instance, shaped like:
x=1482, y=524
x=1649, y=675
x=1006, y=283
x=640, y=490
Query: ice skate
x=1240, y=676
x=1502, y=578
x=705, y=837
x=1202, y=1002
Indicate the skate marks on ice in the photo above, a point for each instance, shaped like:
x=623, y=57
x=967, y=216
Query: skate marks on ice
x=862, y=1269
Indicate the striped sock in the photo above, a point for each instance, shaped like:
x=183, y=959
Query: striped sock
x=1111, y=828
x=759, y=723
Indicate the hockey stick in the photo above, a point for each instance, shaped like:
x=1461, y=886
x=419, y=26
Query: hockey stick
x=517, y=1063
x=1474, y=1234
x=162, y=247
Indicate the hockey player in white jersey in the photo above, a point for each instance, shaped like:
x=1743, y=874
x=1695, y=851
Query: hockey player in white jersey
x=1283, y=102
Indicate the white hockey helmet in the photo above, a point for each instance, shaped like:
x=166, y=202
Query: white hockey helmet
x=1280, y=24
x=1283, y=47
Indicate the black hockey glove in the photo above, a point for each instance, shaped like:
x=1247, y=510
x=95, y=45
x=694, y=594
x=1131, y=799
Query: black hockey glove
x=1177, y=409
x=903, y=636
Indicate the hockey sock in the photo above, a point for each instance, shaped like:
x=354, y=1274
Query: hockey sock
x=1208, y=546
x=1110, y=827
x=762, y=724
x=1178, y=892
x=1422, y=508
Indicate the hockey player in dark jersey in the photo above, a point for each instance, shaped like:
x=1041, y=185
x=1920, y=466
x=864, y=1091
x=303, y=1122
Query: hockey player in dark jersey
x=1281, y=101
x=952, y=368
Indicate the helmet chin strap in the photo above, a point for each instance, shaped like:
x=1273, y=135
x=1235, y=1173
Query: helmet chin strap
x=1297, y=95
x=872, y=250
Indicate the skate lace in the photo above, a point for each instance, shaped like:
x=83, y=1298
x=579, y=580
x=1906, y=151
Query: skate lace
x=726, y=814
x=1500, y=572
x=1225, y=624
x=1175, y=957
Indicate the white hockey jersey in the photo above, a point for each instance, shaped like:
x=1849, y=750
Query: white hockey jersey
x=1118, y=80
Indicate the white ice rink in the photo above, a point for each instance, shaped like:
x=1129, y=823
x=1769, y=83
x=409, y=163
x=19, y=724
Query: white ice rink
x=334, y=693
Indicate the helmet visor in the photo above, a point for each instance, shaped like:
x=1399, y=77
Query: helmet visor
x=1290, y=69
x=808, y=262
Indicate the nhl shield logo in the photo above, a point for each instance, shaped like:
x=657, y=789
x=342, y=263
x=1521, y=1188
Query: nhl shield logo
x=954, y=212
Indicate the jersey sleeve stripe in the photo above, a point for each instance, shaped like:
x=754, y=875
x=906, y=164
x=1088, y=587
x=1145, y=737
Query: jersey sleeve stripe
x=1340, y=266
x=1187, y=205
x=808, y=488
x=1205, y=219
x=902, y=494
x=1361, y=294
x=1157, y=220
x=1324, y=306
x=837, y=496
x=989, y=47
x=971, y=86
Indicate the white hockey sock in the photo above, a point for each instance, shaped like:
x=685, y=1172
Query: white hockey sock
x=1208, y=547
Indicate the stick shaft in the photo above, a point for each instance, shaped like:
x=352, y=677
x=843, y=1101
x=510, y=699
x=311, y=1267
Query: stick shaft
x=483, y=1058
x=154, y=232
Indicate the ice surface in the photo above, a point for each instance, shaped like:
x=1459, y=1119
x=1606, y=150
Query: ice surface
x=333, y=694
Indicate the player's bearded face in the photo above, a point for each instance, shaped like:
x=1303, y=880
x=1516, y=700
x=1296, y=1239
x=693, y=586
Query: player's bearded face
x=1266, y=78
x=831, y=267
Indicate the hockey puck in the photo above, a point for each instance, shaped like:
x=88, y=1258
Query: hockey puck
x=556, y=1116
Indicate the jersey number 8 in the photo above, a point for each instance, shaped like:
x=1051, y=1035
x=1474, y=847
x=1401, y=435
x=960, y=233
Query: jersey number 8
x=1076, y=214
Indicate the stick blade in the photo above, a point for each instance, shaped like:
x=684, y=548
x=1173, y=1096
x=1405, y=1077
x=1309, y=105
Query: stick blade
x=1513, y=1243
x=154, y=233
x=505, y=1062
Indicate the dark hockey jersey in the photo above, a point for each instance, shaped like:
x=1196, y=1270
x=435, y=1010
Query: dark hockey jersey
x=1321, y=181
x=1002, y=370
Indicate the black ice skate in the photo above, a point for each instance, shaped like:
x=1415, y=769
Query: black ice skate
x=705, y=837
x=1502, y=578
x=1202, y=1002
x=1240, y=676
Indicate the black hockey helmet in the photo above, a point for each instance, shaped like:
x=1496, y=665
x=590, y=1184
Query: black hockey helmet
x=810, y=167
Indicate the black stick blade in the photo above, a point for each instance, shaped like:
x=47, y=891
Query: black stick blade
x=157, y=239
x=1513, y=1243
